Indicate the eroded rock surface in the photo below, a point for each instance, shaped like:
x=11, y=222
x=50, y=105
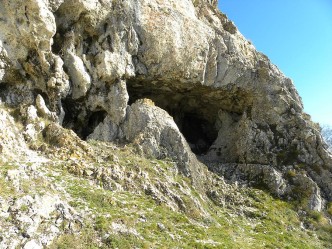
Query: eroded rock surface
x=88, y=64
x=12, y=143
x=327, y=135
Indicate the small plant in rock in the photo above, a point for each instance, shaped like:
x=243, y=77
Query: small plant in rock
x=316, y=216
x=291, y=173
x=25, y=186
x=317, y=169
x=230, y=27
x=86, y=239
x=5, y=189
x=329, y=208
x=300, y=166
x=195, y=3
x=123, y=241
x=24, y=208
x=102, y=224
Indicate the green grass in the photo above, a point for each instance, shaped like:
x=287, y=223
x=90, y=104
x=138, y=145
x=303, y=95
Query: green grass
x=4, y=167
x=35, y=185
x=271, y=223
x=251, y=219
x=329, y=208
x=6, y=189
x=248, y=218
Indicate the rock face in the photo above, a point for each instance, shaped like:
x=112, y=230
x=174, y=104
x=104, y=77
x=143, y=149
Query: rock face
x=12, y=143
x=86, y=64
x=327, y=135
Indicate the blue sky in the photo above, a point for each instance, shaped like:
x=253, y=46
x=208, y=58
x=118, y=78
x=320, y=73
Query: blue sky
x=297, y=36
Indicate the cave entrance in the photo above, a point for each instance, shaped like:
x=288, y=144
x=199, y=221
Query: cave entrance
x=79, y=120
x=195, y=118
x=199, y=133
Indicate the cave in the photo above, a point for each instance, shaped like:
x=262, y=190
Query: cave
x=81, y=121
x=195, y=116
x=199, y=133
x=195, y=109
x=94, y=119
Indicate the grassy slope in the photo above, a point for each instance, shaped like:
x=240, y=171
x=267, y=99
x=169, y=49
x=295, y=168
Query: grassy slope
x=129, y=217
x=265, y=222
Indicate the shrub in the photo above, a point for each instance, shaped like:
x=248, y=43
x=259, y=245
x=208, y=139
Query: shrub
x=329, y=208
x=291, y=173
x=317, y=216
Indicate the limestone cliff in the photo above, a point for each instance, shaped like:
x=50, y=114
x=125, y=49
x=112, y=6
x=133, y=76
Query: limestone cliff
x=327, y=135
x=175, y=78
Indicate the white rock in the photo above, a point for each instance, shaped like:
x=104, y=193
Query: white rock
x=32, y=114
x=106, y=131
x=42, y=108
x=30, y=132
x=79, y=76
x=156, y=131
x=32, y=244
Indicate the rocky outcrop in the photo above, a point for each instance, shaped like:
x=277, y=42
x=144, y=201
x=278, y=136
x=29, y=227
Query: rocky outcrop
x=28, y=213
x=86, y=64
x=12, y=143
x=327, y=135
x=187, y=114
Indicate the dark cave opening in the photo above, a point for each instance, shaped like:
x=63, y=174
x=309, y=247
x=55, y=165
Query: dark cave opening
x=72, y=111
x=199, y=112
x=81, y=121
x=94, y=119
x=194, y=118
x=199, y=133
